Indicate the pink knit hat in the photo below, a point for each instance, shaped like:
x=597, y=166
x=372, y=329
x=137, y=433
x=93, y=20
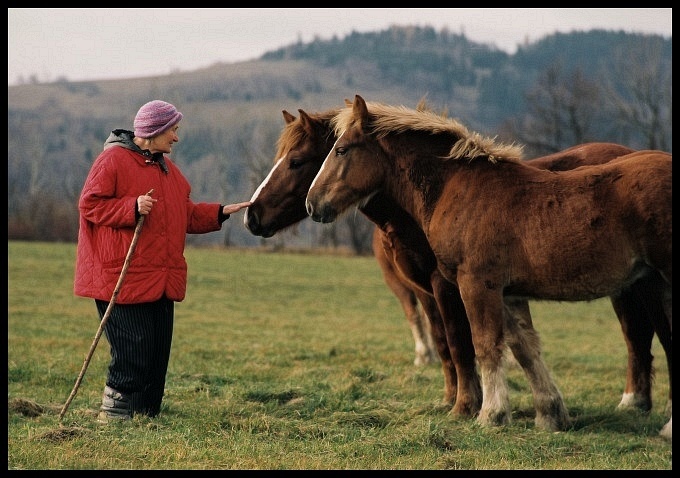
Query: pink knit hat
x=154, y=118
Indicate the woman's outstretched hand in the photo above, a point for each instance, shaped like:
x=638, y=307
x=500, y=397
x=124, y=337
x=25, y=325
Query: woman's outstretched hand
x=232, y=208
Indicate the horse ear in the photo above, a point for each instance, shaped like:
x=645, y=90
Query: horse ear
x=306, y=122
x=287, y=117
x=360, y=110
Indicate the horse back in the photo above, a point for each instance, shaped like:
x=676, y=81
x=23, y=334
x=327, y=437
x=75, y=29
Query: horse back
x=580, y=155
x=533, y=229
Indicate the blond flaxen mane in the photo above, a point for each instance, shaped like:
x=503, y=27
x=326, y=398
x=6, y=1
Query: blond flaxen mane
x=389, y=119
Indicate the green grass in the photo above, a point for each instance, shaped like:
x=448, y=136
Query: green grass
x=302, y=361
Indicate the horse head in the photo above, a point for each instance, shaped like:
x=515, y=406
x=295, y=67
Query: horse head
x=279, y=201
x=337, y=187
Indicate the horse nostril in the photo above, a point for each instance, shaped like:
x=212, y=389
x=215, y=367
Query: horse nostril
x=251, y=220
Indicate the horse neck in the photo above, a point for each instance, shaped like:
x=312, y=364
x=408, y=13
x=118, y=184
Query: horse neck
x=398, y=225
x=383, y=210
x=407, y=184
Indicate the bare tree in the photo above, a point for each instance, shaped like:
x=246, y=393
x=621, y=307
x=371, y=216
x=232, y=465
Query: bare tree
x=641, y=92
x=561, y=111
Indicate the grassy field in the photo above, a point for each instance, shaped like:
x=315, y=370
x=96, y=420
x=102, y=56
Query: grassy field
x=301, y=361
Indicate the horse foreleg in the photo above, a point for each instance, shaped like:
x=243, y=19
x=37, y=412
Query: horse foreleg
x=461, y=350
x=523, y=340
x=485, y=309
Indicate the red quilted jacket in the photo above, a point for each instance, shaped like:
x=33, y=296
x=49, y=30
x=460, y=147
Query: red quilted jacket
x=107, y=222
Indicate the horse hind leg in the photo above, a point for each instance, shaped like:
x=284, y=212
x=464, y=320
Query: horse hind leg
x=647, y=304
x=425, y=352
x=638, y=332
x=523, y=340
x=420, y=329
x=664, y=330
x=667, y=430
x=642, y=310
x=430, y=340
x=667, y=294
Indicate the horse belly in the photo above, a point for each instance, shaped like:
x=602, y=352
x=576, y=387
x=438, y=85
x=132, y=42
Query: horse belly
x=572, y=280
x=563, y=269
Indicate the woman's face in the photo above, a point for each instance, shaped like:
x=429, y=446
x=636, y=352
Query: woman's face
x=164, y=141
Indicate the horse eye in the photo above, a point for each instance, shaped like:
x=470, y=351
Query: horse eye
x=339, y=151
x=296, y=164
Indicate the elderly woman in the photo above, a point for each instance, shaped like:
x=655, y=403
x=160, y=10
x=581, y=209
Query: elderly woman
x=116, y=193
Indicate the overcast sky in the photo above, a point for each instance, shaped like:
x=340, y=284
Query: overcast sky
x=104, y=43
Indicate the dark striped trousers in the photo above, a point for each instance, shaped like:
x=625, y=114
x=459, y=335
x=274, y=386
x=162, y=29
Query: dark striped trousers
x=140, y=336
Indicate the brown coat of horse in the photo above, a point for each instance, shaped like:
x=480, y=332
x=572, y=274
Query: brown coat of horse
x=504, y=231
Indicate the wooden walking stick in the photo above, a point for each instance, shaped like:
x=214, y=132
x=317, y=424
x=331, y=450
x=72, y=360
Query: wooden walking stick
x=112, y=302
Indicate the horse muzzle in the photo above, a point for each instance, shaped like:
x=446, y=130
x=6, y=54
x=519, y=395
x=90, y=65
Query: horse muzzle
x=324, y=214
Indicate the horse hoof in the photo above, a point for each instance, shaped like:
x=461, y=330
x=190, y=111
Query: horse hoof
x=494, y=419
x=552, y=424
x=423, y=360
x=465, y=409
x=667, y=430
x=636, y=401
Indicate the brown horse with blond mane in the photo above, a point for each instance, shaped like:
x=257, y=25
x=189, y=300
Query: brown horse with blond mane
x=502, y=230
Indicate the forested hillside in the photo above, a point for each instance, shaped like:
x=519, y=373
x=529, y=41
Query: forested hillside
x=561, y=90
